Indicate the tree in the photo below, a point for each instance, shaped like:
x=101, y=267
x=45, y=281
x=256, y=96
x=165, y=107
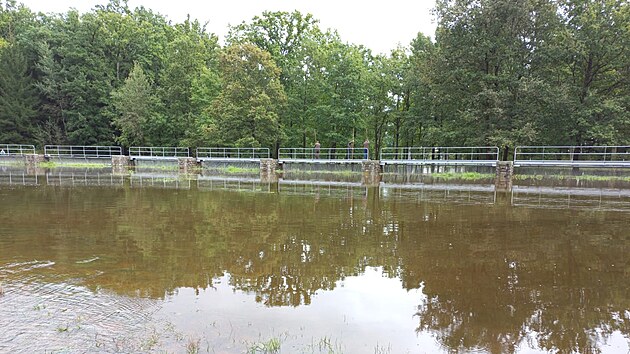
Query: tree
x=597, y=70
x=135, y=104
x=246, y=110
x=18, y=98
x=286, y=36
x=188, y=54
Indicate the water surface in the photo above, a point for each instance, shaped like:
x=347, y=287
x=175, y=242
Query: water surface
x=153, y=262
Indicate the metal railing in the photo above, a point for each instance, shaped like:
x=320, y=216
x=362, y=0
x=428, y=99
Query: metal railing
x=16, y=149
x=594, y=156
x=80, y=151
x=323, y=155
x=488, y=155
x=222, y=153
x=158, y=152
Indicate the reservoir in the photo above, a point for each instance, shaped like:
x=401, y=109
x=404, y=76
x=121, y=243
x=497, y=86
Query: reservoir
x=92, y=262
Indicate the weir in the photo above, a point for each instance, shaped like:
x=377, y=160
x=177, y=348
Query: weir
x=396, y=165
x=367, y=172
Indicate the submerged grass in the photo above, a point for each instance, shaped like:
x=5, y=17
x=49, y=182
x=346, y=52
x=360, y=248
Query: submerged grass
x=272, y=346
x=467, y=176
x=52, y=164
x=335, y=173
x=593, y=178
x=169, y=167
x=236, y=170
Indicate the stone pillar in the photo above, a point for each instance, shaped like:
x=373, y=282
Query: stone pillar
x=32, y=163
x=503, y=179
x=121, y=164
x=268, y=170
x=371, y=172
x=188, y=165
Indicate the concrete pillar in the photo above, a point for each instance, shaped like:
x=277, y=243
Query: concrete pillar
x=371, y=172
x=31, y=162
x=503, y=178
x=188, y=165
x=121, y=164
x=269, y=170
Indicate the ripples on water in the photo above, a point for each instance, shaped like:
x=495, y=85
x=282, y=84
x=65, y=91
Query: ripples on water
x=42, y=311
x=101, y=263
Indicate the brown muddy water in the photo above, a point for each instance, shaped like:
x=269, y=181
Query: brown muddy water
x=91, y=262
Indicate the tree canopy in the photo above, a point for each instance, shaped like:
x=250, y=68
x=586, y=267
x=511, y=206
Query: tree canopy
x=497, y=72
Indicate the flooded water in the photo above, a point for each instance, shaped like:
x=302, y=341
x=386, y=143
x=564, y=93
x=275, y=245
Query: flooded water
x=91, y=262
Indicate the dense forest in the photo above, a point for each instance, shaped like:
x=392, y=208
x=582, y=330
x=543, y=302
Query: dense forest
x=497, y=72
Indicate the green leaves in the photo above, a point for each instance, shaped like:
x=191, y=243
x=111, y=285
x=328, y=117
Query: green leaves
x=135, y=105
x=499, y=72
x=246, y=110
x=18, y=98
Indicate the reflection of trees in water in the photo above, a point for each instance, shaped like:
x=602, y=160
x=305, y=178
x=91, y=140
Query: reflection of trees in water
x=489, y=285
x=492, y=274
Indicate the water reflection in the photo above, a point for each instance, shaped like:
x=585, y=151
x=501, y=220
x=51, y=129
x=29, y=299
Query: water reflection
x=17, y=177
x=448, y=193
x=238, y=184
x=322, y=188
x=473, y=272
x=87, y=177
x=572, y=198
x=159, y=180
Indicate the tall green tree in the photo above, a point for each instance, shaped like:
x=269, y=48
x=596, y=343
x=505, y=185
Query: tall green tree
x=246, y=110
x=286, y=37
x=135, y=105
x=18, y=97
x=190, y=52
x=598, y=70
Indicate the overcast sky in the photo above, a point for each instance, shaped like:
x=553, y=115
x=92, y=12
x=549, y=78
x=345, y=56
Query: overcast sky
x=379, y=25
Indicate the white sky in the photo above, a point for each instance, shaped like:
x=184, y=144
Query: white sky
x=379, y=25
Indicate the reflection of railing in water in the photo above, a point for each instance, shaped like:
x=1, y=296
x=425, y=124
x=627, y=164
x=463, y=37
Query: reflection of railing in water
x=460, y=193
x=18, y=178
x=318, y=188
x=83, y=179
x=233, y=184
x=154, y=180
x=571, y=198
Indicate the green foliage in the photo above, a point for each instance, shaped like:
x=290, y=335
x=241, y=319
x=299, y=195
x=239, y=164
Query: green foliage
x=499, y=72
x=135, y=104
x=246, y=110
x=18, y=99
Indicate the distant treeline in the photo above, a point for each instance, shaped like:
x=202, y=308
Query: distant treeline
x=499, y=72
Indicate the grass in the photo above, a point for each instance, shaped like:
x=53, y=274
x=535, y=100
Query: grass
x=593, y=178
x=192, y=347
x=467, y=176
x=12, y=163
x=51, y=164
x=170, y=167
x=61, y=329
x=336, y=173
x=271, y=346
x=236, y=170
